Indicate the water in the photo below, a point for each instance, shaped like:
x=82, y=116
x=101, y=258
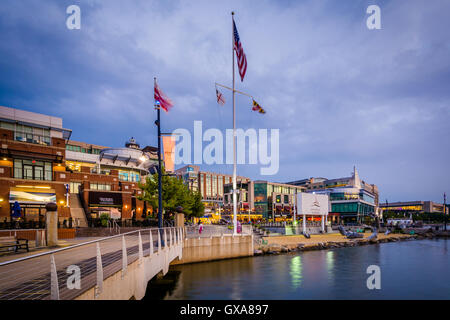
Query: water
x=409, y=270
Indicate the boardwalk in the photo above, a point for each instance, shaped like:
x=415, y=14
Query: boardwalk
x=30, y=278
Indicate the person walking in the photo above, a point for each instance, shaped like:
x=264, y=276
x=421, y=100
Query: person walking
x=200, y=227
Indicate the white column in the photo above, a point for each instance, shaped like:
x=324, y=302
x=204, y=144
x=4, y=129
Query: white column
x=323, y=223
x=304, y=223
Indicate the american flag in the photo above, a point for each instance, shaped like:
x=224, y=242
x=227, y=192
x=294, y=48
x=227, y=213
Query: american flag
x=162, y=99
x=220, y=98
x=241, y=59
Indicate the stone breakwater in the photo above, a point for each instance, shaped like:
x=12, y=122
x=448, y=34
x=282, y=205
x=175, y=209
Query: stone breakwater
x=284, y=244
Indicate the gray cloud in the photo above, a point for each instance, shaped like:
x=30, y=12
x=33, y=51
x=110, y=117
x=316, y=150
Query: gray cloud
x=341, y=94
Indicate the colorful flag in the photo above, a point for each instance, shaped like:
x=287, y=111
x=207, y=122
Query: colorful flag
x=220, y=98
x=162, y=99
x=241, y=59
x=257, y=107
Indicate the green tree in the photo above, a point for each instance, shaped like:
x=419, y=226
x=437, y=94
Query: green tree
x=174, y=194
x=197, y=206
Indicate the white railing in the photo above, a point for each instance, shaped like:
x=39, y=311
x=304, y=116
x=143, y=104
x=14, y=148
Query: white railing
x=68, y=272
x=214, y=231
x=113, y=227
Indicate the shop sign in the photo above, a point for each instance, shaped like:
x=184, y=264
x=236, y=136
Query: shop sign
x=105, y=199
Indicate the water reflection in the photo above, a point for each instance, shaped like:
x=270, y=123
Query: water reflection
x=296, y=272
x=410, y=270
x=330, y=264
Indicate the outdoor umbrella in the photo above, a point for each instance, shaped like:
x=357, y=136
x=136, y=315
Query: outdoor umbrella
x=16, y=210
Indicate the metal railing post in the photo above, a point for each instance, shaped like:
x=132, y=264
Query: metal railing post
x=99, y=287
x=54, y=286
x=124, y=257
x=151, y=242
x=165, y=238
x=141, y=250
x=170, y=237
x=159, y=241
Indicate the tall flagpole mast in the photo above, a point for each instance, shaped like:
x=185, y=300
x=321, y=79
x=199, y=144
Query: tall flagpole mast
x=234, y=136
x=158, y=107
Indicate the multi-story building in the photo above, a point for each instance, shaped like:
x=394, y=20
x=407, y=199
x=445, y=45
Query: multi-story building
x=32, y=157
x=267, y=200
x=209, y=184
x=412, y=207
x=351, y=198
x=40, y=164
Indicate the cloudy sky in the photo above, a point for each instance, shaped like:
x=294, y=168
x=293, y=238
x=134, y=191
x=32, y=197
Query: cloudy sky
x=341, y=94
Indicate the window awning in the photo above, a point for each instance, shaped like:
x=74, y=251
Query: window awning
x=32, y=197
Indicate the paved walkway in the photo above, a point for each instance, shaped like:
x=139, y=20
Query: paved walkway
x=6, y=256
x=30, y=279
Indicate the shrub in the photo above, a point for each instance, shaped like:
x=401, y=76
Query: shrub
x=104, y=217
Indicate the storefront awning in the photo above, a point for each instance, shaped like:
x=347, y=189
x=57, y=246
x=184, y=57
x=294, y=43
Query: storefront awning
x=33, y=197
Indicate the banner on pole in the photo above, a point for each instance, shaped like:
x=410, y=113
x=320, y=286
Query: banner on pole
x=169, y=153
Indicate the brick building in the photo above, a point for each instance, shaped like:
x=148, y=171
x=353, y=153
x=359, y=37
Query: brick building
x=40, y=164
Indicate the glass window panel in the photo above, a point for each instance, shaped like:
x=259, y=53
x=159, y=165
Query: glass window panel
x=38, y=173
x=28, y=172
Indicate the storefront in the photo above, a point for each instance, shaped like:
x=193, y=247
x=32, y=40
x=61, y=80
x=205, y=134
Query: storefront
x=32, y=201
x=105, y=202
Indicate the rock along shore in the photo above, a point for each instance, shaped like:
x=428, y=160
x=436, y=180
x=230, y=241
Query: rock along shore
x=284, y=244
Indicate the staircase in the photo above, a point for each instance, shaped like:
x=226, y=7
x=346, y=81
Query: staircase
x=77, y=211
x=257, y=235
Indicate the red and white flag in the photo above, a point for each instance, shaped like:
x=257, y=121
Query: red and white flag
x=220, y=98
x=241, y=59
x=161, y=99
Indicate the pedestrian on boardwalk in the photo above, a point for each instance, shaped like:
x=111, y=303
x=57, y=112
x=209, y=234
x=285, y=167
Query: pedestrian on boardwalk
x=200, y=227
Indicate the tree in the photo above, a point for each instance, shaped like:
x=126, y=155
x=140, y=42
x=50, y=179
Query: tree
x=174, y=193
x=197, y=206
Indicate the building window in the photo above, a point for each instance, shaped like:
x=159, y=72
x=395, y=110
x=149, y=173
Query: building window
x=214, y=186
x=100, y=186
x=286, y=199
x=32, y=170
x=208, y=185
x=130, y=176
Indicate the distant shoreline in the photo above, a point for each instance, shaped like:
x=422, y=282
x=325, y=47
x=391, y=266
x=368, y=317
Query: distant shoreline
x=284, y=244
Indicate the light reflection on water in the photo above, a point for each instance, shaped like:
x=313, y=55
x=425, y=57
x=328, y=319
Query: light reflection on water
x=409, y=270
x=296, y=271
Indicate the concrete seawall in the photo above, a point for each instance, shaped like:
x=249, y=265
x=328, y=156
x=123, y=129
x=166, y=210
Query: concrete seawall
x=216, y=248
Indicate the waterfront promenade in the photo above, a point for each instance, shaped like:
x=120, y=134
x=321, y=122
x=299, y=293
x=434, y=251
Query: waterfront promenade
x=125, y=262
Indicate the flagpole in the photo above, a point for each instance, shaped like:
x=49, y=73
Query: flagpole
x=234, y=135
x=158, y=108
